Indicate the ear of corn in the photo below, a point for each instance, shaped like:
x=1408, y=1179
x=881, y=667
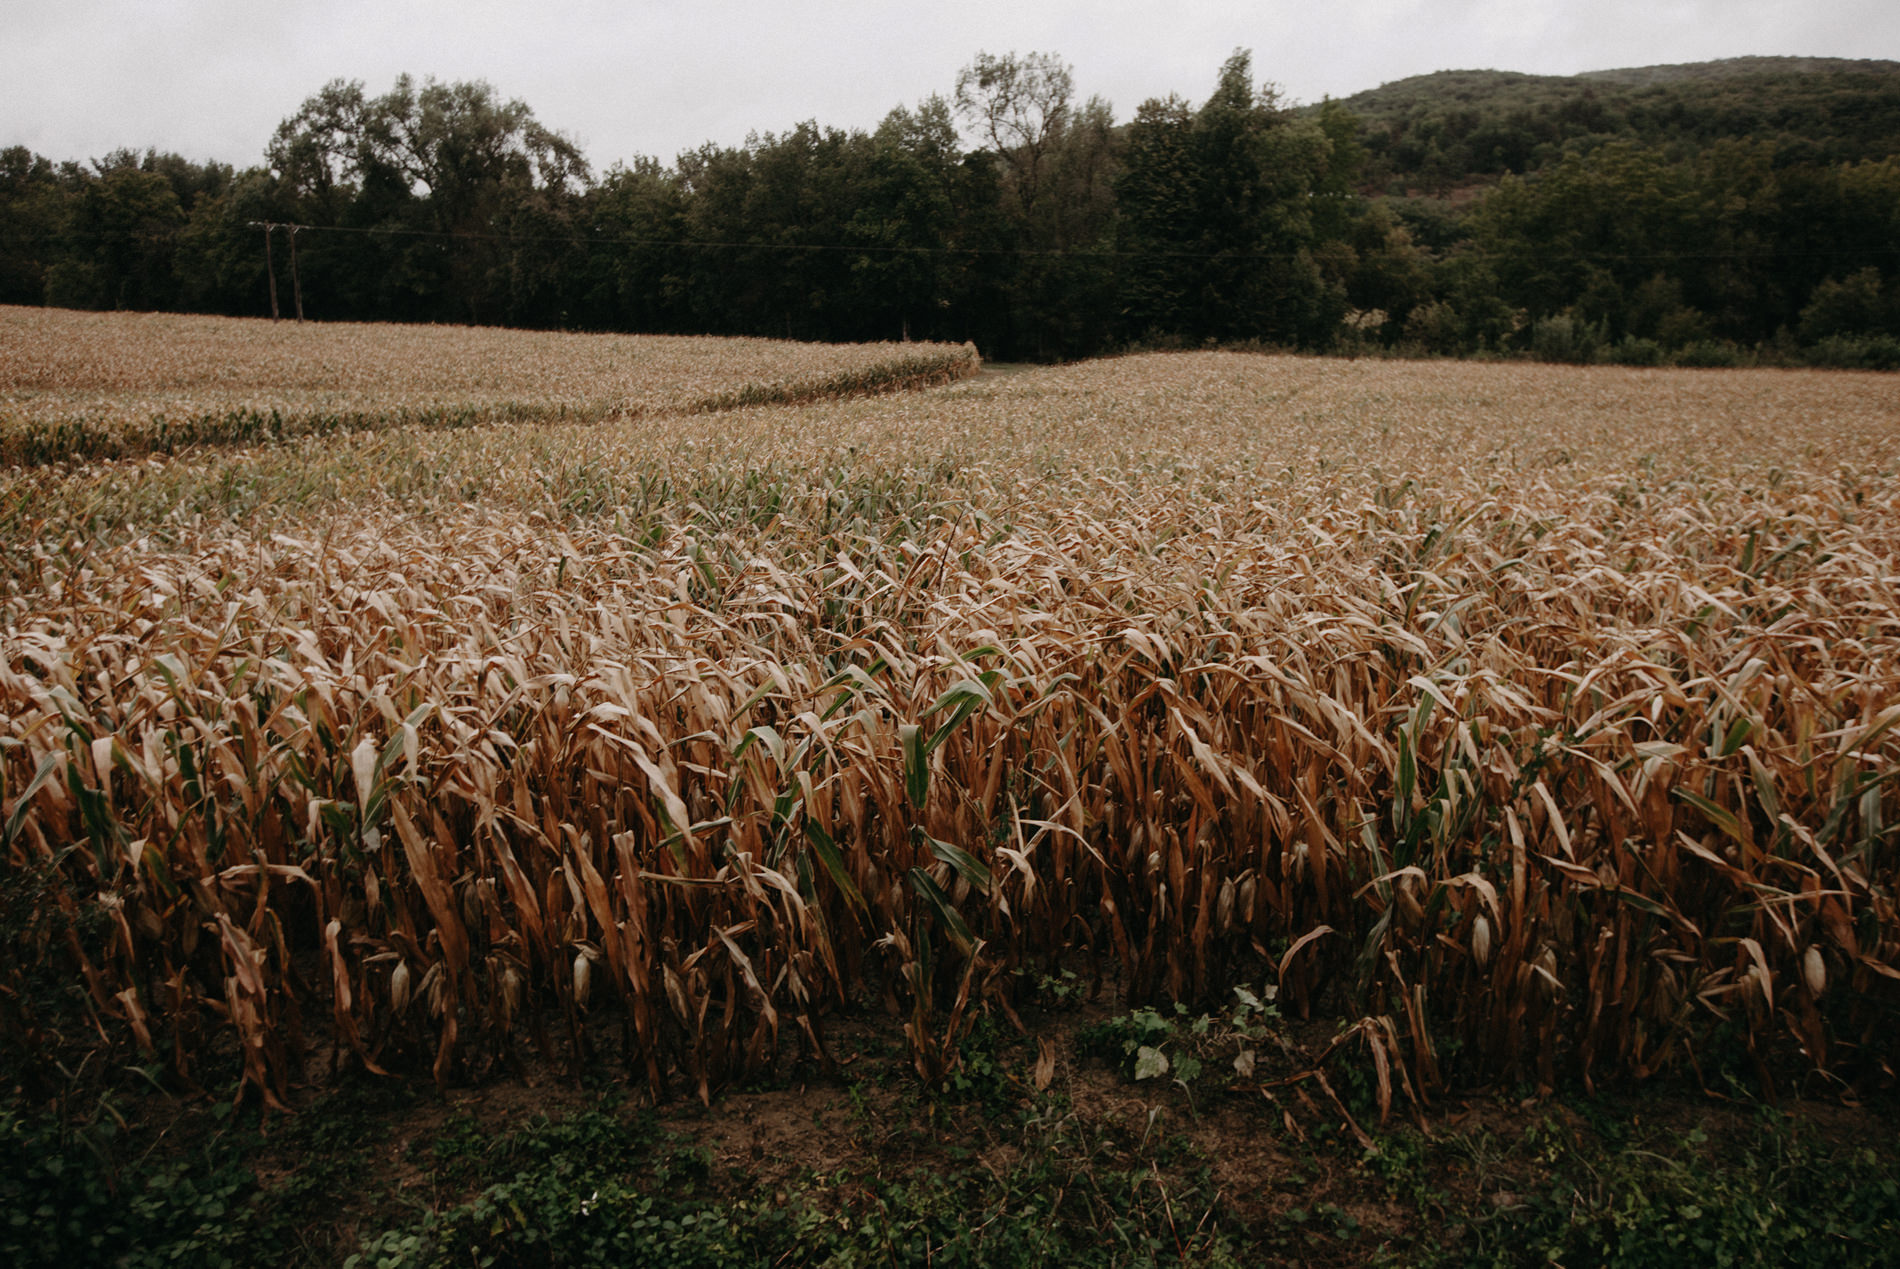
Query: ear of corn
x=1549, y=711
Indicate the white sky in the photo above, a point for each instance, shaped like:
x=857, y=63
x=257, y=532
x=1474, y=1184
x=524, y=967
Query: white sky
x=211, y=79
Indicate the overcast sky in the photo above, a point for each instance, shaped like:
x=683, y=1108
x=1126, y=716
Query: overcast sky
x=211, y=79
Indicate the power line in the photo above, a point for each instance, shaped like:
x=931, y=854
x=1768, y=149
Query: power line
x=597, y=240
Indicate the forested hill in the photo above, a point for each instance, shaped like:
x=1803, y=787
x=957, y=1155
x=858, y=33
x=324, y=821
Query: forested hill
x=1434, y=133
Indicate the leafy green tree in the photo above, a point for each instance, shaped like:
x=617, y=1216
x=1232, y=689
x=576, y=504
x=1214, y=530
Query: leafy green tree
x=1860, y=304
x=765, y=222
x=32, y=209
x=1596, y=224
x=905, y=280
x=1218, y=210
x=1831, y=221
x=466, y=202
x=1054, y=164
x=220, y=260
x=121, y=228
x=1019, y=108
x=634, y=271
x=1382, y=268
x=1159, y=201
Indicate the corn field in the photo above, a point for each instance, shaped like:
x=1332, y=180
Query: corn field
x=1530, y=722
x=80, y=387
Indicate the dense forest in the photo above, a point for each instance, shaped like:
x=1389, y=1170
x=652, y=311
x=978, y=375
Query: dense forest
x=1716, y=213
x=1443, y=131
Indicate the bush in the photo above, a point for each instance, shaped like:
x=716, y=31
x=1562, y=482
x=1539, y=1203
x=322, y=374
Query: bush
x=1435, y=328
x=1710, y=354
x=1632, y=351
x=1566, y=338
x=1682, y=326
x=1850, y=307
x=1856, y=352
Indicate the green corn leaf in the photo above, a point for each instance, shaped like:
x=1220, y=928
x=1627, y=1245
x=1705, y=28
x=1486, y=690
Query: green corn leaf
x=827, y=852
x=1722, y=819
x=1642, y=903
x=763, y=735
x=916, y=764
x=962, y=699
x=854, y=681
x=939, y=902
x=962, y=693
x=759, y=693
x=961, y=862
x=1764, y=787
x=1408, y=780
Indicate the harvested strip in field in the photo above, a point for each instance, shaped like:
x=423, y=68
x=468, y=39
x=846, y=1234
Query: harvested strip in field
x=77, y=386
x=1533, y=722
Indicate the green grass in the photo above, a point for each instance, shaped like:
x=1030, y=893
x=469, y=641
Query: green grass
x=1100, y=1169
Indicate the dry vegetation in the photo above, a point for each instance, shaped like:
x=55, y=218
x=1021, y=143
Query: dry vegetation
x=83, y=386
x=1528, y=721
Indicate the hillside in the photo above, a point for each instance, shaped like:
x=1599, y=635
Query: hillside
x=1451, y=128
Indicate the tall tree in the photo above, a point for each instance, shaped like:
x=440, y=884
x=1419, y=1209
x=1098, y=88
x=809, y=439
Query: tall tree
x=121, y=229
x=904, y=279
x=32, y=207
x=635, y=274
x=1159, y=199
x=1018, y=107
x=486, y=195
x=1054, y=165
x=1219, y=217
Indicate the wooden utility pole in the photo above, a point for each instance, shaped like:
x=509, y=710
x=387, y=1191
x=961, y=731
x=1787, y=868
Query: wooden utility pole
x=270, y=266
x=296, y=283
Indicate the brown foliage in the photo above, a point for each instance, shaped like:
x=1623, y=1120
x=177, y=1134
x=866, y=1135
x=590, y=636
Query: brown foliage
x=1551, y=712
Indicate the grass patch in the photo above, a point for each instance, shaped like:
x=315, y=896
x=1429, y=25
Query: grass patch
x=1104, y=1166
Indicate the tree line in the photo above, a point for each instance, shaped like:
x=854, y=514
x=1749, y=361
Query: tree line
x=1011, y=213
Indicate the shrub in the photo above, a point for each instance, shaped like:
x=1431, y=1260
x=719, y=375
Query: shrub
x=1566, y=338
x=1632, y=351
x=1710, y=354
x=1435, y=327
x=1856, y=352
x=1849, y=307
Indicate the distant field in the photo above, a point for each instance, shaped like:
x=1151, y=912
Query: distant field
x=1533, y=722
x=77, y=385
